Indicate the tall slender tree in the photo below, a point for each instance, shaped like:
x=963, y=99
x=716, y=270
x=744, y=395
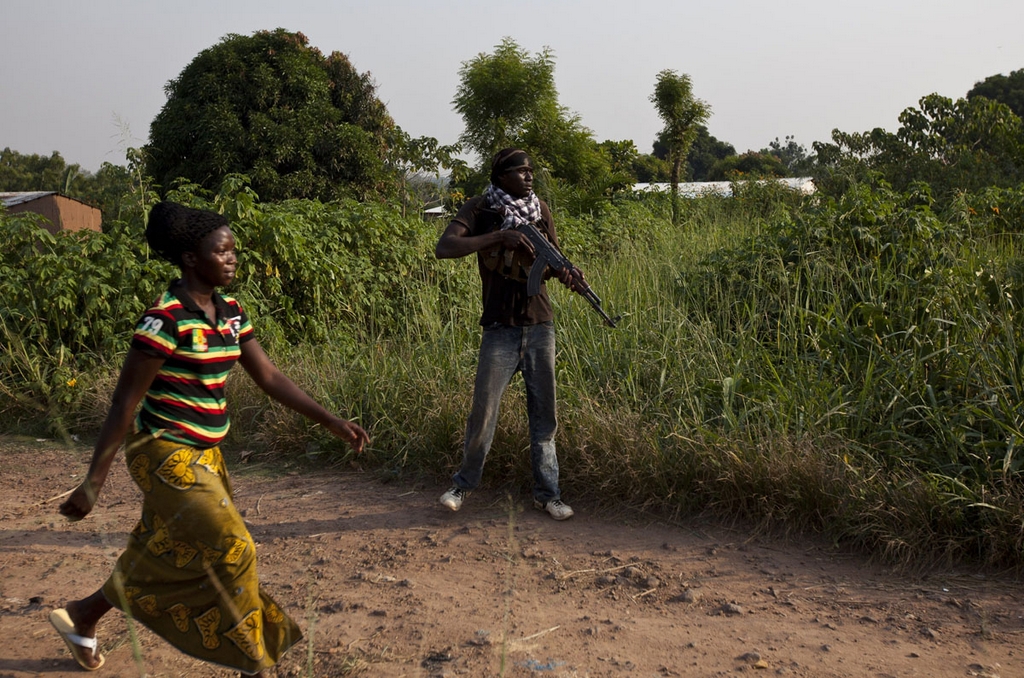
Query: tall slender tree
x=683, y=115
x=500, y=94
x=508, y=98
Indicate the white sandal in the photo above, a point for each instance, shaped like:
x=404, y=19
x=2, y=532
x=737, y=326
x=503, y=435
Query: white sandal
x=76, y=643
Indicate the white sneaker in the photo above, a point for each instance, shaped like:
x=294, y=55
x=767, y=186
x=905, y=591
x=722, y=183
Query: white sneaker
x=453, y=498
x=556, y=508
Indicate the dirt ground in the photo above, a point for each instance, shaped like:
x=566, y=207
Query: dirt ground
x=385, y=582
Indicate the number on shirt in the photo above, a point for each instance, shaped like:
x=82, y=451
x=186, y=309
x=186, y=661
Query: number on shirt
x=151, y=325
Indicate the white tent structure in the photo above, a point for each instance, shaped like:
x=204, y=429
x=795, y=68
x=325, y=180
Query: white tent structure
x=696, y=189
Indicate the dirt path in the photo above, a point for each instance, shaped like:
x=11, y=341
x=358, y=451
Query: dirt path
x=386, y=582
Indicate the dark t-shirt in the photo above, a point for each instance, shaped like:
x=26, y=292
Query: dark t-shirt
x=504, y=299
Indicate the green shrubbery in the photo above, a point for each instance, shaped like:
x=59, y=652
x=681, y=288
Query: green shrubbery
x=847, y=364
x=309, y=273
x=899, y=314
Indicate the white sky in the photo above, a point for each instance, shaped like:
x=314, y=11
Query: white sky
x=87, y=78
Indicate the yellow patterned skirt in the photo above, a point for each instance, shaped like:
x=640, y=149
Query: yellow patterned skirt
x=189, y=572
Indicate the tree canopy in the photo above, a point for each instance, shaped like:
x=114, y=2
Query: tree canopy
x=32, y=172
x=704, y=152
x=749, y=165
x=953, y=146
x=1006, y=89
x=299, y=124
x=793, y=157
x=501, y=94
x=508, y=98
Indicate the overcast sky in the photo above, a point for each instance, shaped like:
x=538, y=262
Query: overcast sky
x=87, y=78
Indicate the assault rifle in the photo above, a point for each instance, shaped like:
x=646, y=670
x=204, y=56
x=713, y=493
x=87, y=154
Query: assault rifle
x=548, y=255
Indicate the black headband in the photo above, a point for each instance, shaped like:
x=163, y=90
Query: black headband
x=510, y=158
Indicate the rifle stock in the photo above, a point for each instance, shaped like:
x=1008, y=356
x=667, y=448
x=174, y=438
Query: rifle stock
x=548, y=255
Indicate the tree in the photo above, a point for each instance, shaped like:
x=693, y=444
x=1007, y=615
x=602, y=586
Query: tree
x=704, y=153
x=623, y=160
x=1006, y=89
x=123, y=193
x=421, y=162
x=682, y=114
x=299, y=124
x=508, y=98
x=500, y=94
x=749, y=165
x=31, y=172
x=793, y=156
x=650, y=168
x=954, y=146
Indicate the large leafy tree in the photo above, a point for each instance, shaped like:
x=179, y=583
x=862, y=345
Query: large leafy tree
x=508, y=98
x=682, y=114
x=298, y=123
x=1006, y=89
x=501, y=94
x=954, y=146
x=624, y=161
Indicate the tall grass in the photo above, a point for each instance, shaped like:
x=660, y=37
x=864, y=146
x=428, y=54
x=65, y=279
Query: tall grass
x=847, y=367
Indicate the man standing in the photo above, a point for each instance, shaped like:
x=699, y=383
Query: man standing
x=518, y=332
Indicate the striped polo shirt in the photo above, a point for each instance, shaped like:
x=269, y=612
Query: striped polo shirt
x=185, y=402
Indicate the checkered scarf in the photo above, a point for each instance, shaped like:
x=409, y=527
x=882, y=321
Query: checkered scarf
x=517, y=211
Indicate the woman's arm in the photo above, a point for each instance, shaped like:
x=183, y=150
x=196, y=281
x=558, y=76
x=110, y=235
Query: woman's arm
x=137, y=375
x=274, y=383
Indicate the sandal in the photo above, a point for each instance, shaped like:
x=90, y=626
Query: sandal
x=76, y=643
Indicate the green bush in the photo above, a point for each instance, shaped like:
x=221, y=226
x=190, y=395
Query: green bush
x=309, y=272
x=847, y=364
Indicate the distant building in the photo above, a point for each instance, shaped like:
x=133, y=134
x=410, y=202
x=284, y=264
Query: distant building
x=696, y=189
x=62, y=213
x=438, y=212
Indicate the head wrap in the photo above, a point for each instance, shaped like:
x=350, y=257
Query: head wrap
x=174, y=229
x=517, y=211
x=507, y=159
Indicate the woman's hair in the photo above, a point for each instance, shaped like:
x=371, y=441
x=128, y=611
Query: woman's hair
x=174, y=229
x=506, y=159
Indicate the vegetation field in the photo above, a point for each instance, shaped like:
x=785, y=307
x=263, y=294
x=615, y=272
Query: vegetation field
x=845, y=365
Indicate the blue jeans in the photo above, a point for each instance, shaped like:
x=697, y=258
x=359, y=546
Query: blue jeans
x=504, y=351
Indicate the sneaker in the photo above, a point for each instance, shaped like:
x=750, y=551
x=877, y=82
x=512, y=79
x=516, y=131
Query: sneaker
x=556, y=508
x=453, y=498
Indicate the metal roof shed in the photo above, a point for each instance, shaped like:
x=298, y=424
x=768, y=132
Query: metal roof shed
x=61, y=212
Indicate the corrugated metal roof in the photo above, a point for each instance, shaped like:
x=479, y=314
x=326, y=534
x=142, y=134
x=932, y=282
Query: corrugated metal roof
x=18, y=197
x=695, y=189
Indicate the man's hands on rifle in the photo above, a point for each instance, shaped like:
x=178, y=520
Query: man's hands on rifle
x=511, y=239
x=573, y=279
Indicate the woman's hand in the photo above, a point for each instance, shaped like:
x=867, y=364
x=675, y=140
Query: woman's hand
x=81, y=501
x=350, y=432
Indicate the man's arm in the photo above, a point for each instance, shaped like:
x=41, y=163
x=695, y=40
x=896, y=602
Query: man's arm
x=456, y=241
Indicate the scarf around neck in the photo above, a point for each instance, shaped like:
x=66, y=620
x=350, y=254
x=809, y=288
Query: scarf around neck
x=517, y=211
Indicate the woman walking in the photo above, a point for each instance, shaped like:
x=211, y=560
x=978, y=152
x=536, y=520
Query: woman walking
x=189, y=571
